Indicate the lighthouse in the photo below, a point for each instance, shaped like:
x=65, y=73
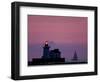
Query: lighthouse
x=46, y=50
x=48, y=57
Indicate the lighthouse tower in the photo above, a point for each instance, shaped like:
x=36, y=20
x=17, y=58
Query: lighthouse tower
x=46, y=51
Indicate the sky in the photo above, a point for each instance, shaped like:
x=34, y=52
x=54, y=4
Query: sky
x=68, y=34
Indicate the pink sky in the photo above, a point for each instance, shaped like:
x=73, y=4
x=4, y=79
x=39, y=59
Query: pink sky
x=59, y=29
x=65, y=33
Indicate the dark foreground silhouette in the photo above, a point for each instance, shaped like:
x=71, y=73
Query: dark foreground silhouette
x=51, y=57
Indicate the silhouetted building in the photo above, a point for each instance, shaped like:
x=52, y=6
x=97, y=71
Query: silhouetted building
x=55, y=53
x=49, y=57
x=46, y=51
x=50, y=54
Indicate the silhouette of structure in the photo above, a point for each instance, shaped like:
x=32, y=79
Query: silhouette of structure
x=53, y=57
x=50, y=54
x=75, y=57
x=46, y=51
x=48, y=57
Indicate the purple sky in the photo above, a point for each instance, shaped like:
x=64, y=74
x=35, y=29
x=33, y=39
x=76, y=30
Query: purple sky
x=66, y=33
